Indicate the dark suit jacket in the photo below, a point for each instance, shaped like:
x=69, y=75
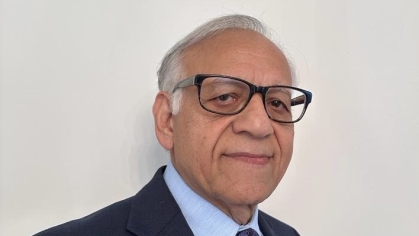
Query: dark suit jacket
x=152, y=211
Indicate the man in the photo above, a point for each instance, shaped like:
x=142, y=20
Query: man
x=226, y=112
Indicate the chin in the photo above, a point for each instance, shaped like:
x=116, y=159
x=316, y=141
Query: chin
x=252, y=198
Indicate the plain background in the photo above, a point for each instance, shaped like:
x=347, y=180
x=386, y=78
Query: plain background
x=78, y=79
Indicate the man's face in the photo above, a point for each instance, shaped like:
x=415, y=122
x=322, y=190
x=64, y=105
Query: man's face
x=232, y=160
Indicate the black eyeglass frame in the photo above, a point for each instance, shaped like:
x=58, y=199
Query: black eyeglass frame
x=198, y=79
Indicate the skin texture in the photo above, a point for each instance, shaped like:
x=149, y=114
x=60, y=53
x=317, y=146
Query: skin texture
x=234, y=162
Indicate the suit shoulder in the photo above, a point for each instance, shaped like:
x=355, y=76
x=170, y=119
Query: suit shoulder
x=276, y=225
x=110, y=220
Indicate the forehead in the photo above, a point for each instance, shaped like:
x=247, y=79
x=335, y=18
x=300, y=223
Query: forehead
x=240, y=53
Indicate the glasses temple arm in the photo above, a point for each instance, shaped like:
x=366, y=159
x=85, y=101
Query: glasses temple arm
x=298, y=100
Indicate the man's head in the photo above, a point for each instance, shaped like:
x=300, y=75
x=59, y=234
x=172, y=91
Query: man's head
x=233, y=161
x=172, y=67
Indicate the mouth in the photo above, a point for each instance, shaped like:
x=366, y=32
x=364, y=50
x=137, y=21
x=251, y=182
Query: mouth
x=250, y=158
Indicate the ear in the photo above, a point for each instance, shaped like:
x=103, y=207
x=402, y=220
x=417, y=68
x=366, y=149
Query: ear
x=163, y=124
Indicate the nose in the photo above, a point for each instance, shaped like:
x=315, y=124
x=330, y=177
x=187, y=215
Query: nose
x=253, y=119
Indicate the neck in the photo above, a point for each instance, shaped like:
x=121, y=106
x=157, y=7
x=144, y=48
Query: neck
x=240, y=214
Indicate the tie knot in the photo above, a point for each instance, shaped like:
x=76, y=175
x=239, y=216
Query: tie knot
x=247, y=232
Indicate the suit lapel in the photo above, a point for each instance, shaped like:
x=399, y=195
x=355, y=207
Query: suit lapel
x=154, y=211
x=264, y=226
x=270, y=226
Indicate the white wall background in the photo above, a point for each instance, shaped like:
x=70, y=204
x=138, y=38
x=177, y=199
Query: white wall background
x=78, y=82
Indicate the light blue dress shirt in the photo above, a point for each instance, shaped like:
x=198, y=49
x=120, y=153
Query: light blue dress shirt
x=203, y=217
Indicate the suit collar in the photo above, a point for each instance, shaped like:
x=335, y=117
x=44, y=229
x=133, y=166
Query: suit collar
x=154, y=211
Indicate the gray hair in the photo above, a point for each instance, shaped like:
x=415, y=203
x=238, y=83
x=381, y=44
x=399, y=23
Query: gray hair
x=171, y=69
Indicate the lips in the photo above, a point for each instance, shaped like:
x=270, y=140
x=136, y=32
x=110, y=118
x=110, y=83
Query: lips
x=251, y=158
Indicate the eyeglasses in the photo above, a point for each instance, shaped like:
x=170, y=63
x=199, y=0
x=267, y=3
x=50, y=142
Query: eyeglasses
x=226, y=95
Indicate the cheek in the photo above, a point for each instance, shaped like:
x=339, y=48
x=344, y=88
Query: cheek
x=285, y=139
x=186, y=153
x=195, y=139
x=195, y=144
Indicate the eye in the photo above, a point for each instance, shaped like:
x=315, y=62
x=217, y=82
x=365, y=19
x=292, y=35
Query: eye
x=278, y=106
x=277, y=103
x=224, y=97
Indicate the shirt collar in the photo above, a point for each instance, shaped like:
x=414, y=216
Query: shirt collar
x=203, y=218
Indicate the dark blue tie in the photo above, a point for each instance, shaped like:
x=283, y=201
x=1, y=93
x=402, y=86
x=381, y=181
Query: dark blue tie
x=247, y=232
